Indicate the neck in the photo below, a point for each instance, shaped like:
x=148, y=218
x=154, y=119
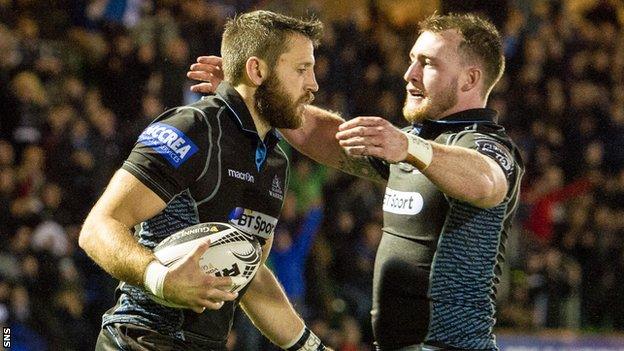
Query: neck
x=463, y=106
x=247, y=93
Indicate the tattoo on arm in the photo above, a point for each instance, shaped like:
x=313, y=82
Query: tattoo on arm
x=359, y=167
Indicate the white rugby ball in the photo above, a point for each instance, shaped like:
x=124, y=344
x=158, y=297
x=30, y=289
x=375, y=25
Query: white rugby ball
x=232, y=253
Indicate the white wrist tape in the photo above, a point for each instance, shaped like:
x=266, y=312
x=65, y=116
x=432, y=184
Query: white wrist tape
x=420, y=149
x=306, y=341
x=154, y=280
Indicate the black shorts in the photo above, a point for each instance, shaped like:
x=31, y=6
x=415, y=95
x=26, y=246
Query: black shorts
x=130, y=337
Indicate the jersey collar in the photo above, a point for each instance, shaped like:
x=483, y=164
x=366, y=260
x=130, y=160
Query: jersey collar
x=236, y=105
x=432, y=128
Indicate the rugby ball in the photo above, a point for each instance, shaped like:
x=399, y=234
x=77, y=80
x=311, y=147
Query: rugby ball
x=231, y=253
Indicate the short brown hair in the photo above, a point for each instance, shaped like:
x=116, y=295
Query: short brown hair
x=481, y=40
x=263, y=34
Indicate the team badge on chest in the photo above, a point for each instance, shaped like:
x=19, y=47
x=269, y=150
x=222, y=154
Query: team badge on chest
x=276, y=189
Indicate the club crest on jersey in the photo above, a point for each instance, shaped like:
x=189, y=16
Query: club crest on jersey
x=276, y=189
x=498, y=153
x=168, y=141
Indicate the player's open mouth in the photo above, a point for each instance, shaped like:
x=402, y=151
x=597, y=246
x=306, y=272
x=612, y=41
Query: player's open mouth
x=416, y=93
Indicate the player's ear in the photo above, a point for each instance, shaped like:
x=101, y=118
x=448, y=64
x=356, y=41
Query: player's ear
x=256, y=70
x=471, y=78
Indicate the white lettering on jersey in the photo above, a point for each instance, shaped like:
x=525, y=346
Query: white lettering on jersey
x=175, y=146
x=246, y=176
x=402, y=202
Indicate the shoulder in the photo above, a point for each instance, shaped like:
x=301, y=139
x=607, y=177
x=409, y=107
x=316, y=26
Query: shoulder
x=490, y=140
x=208, y=110
x=281, y=152
x=477, y=133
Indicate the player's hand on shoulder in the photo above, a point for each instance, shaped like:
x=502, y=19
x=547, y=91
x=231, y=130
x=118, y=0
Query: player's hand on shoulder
x=209, y=70
x=373, y=136
x=186, y=284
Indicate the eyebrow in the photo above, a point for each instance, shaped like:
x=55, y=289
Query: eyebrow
x=422, y=57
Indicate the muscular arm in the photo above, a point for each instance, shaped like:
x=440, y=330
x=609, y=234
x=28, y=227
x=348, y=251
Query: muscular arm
x=268, y=307
x=459, y=172
x=467, y=175
x=317, y=140
x=107, y=239
x=106, y=235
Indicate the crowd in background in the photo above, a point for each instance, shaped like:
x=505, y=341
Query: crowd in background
x=80, y=80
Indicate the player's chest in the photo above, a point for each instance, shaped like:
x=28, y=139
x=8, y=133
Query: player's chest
x=410, y=194
x=234, y=186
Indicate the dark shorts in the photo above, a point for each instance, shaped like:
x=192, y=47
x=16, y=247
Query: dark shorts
x=129, y=337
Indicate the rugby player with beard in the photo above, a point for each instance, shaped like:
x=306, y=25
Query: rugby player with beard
x=452, y=186
x=207, y=162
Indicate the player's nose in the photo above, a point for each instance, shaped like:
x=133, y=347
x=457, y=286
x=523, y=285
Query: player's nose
x=312, y=84
x=413, y=72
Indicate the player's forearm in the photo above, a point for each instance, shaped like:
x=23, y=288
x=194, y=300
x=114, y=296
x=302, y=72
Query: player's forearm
x=111, y=245
x=268, y=308
x=317, y=140
x=466, y=175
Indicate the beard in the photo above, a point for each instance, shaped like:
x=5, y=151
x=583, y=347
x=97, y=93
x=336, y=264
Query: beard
x=276, y=106
x=432, y=106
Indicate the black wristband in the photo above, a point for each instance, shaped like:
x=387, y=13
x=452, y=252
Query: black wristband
x=308, y=342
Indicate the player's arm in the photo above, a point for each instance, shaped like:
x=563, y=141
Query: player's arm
x=466, y=175
x=316, y=138
x=459, y=172
x=268, y=308
x=106, y=233
x=107, y=238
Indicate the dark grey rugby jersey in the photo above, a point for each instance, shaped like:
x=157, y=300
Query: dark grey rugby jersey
x=208, y=163
x=445, y=251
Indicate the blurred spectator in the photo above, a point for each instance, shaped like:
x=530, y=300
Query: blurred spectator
x=73, y=329
x=351, y=336
x=30, y=102
x=546, y=197
x=122, y=76
x=293, y=239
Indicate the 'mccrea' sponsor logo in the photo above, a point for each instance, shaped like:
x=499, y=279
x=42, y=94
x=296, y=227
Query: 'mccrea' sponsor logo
x=170, y=142
x=246, y=176
x=402, y=202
